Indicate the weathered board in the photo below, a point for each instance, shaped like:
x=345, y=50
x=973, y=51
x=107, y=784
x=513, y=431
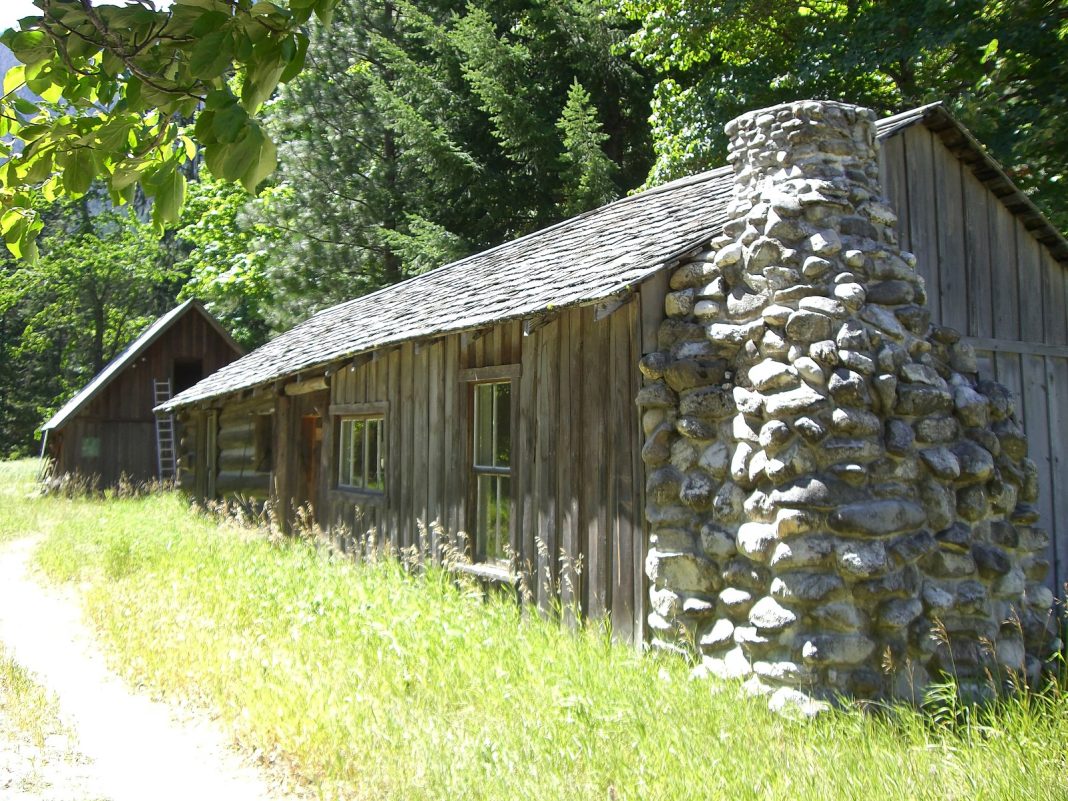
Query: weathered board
x=578, y=535
x=988, y=277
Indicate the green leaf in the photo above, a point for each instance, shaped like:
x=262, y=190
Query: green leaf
x=990, y=52
x=126, y=174
x=169, y=197
x=78, y=170
x=212, y=55
x=16, y=76
x=324, y=10
x=52, y=93
x=30, y=47
x=189, y=146
x=296, y=60
x=114, y=136
x=10, y=219
x=40, y=168
x=229, y=123
x=112, y=65
x=265, y=164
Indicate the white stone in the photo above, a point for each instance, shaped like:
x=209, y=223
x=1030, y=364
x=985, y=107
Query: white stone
x=731, y=254
x=721, y=633
x=855, y=258
x=768, y=614
x=922, y=374
x=790, y=522
x=715, y=459
x=776, y=314
x=825, y=243
x=740, y=461
x=810, y=371
x=786, y=700
x=802, y=400
x=883, y=319
x=733, y=665
x=861, y=558
x=770, y=374
x=755, y=540
x=851, y=294
x=828, y=306
x=801, y=552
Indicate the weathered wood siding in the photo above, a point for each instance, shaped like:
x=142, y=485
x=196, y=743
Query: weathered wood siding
x=988, y=277
x=577, y=480
x=121, y=415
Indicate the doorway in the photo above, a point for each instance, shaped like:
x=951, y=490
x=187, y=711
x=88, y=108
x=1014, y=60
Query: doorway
x=311, y=452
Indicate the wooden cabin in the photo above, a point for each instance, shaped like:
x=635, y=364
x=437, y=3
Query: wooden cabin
x=108, y=429
x=496, y=394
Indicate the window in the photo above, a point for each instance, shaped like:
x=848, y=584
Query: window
x=362, y=462
x=492, y=465
x=90, y=447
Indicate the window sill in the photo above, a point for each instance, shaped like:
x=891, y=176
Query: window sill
x=361, y=496
x=497, y=574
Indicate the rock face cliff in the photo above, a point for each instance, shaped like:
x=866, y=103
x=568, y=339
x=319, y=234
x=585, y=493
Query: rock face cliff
x=839, y=504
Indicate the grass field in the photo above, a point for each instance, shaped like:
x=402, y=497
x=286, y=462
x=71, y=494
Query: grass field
x=373, y=683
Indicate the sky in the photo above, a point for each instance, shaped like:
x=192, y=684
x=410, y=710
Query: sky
x=11, y=11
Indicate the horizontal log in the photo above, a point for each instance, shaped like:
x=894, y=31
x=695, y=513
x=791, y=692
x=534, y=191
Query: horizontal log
x=244, y=483
x=235, y=437
x=237, y=461
x=261, y=404
x=305, y=387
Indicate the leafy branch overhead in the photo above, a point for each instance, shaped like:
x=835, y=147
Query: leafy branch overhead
x=106, y=93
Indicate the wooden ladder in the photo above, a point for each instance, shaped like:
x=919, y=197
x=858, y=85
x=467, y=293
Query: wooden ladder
x=165, y=445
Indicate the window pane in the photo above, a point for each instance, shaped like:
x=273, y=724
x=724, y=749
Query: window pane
x=493, y=507
x=357, y=453
x=374, y=445
x=503, y=402
x=344, y=475
x=499, y=548
x=484, y=425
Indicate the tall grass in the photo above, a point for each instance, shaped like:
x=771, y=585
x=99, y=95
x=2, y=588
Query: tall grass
x=375, y=683
x=26, y=707
x=17, y=485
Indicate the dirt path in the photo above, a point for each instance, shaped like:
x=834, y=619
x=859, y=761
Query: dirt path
x=136, y=749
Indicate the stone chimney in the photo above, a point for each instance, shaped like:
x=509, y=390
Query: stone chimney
x=838, y=503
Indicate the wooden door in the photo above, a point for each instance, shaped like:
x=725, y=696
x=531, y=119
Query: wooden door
x=311, y=449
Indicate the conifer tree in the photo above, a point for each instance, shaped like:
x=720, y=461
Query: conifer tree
x=587, y=179
x=422, y=131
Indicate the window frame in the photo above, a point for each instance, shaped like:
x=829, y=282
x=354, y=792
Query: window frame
x=341, y=414
x=473, y=379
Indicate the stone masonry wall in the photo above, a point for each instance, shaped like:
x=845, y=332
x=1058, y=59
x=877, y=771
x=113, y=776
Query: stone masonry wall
x=829, y=482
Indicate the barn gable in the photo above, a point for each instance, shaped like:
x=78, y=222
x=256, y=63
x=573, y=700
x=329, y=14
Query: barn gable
x=108, y=428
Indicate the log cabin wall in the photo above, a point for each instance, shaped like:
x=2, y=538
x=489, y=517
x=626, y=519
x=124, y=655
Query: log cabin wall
x=992, y=280
x=245, y=443
x=577, y=482
x=119, y=423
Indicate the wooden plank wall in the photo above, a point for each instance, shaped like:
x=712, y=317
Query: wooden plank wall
x=990, y=279
x=121, y=415
x=577, y=480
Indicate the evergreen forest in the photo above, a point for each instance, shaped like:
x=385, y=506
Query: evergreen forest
x=411, y=133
